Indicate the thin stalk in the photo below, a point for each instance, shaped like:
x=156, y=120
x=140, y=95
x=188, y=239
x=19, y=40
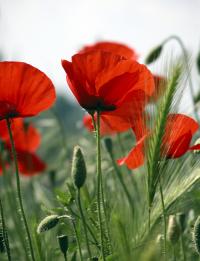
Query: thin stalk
x=174, y=253
x=164, y=218
x=120, y=178
x=77, y=240
x=84, y=225
x=22, y=212
x=182, y=248
x=99, y=184
x=120, y=143
x=96, y=243
x=65, y=256
x=5, y=235
x=149, y=218
x=11, y=198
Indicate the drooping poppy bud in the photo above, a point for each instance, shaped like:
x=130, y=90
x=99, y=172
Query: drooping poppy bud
x=79, y=171
x=63, y=243
x=154, y=54
x=48, y=223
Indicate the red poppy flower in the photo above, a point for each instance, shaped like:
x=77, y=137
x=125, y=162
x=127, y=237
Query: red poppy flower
x=104, y=81
x=129, y=115
x=25, y=91
x=176, y=141
x=112, y=47
x=27, y=140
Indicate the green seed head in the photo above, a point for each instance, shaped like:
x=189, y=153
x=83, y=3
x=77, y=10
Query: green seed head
x=48, y=223
x=63, y=243
x=196, y=235
x=173, y=231
x=78, y=168
x=154, y=54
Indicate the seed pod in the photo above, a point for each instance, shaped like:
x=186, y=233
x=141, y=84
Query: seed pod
x=48, y=223
x=63, y=243
x=196, y=235
x=173, y=231
x=78, y=168
x=108, y=144
x=154, y=54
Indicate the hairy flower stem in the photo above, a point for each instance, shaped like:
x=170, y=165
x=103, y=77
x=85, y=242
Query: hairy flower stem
x=185, y=56
x=4, y=231
x=100, y=198
x=84, y=225
x=22, y=212
x=164, y=218
x=77, y=240
x=11, y=203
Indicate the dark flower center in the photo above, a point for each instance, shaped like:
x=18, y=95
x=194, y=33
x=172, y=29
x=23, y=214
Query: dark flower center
x=7, y=110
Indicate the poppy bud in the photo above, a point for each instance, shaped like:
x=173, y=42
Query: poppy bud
x=154, y=54
x=95, y=258
x=196, y=235
x=78, y=168
x=173, y=229
x=198, y=62
x=63, y=243
x=48, y=223
x=108, y=145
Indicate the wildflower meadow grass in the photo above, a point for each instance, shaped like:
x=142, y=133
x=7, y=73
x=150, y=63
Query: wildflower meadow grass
x=114, y=177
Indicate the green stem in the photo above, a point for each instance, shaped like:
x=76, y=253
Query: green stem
x=12, y=203
x=174, y=253
x=164, y=218
x=120, y=178
x=182, y=248
x=84, y=225
x=123, y=151
x=65, y=256
x=149, y=218
x=5, y=235
x=180, y=42
x=22, y=212
x=99, y=184
x=96, y=243
x=77, y=240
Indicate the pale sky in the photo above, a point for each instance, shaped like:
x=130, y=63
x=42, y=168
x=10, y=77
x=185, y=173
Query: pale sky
x=42, y=32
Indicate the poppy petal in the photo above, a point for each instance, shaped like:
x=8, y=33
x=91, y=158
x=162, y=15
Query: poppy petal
x=30, y=164
x=113, y=47
x=135, y=157
x=25, y=91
